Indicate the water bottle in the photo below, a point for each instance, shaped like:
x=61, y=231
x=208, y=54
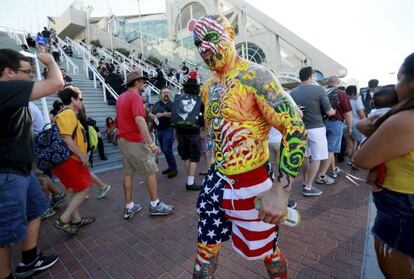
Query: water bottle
x=292, y=217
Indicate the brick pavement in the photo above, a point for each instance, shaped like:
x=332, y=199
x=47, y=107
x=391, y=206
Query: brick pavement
x=329, y=243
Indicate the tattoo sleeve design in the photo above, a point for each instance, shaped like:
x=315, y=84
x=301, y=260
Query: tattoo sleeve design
x=278, y=109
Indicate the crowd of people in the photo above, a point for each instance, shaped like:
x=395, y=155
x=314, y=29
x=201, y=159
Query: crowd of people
x=255, y=136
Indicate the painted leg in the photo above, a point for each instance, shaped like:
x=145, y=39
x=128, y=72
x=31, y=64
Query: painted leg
x=207, y=261
x=276, y=265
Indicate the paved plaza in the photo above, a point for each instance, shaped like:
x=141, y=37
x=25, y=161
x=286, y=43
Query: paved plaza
x=329, y=243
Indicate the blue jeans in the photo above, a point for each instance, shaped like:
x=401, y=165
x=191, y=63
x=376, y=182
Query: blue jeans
x=21, y=201
x=166, y=140
x=334, y=132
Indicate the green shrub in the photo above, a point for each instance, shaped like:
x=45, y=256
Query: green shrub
x=96, y=43
x=123, y=51
x=154, y=60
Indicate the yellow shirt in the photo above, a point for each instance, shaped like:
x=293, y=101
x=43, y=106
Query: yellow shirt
x=67, y=121
x=400, y=174
x=240, y=109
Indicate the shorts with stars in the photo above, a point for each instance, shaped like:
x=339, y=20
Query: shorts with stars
x=226, y=210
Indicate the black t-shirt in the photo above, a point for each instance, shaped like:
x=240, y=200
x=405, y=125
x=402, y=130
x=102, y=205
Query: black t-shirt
x=185, y=70
x=67, y=79
x=16, y=138
x=193, y=131
x=46, y=33
x=160, y=107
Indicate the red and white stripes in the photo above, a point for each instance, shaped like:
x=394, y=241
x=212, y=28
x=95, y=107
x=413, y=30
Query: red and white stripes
x=251, y=238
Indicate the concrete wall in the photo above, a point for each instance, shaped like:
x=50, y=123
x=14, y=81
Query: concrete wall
x=71, y=22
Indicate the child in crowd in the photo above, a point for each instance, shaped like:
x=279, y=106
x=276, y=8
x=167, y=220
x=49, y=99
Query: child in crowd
x=384, y=98
x=110, y=130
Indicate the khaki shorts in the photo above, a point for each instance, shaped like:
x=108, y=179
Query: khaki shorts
x=137, y=157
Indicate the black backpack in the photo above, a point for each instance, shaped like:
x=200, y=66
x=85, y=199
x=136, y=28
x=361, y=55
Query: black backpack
x=333, y=96
x=186, y=111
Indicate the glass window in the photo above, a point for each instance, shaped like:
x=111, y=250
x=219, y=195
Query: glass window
x=254, y=52
x=192, y=10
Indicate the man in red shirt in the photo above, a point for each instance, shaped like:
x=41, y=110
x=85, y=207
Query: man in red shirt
x=137, y=147
x=334, y=131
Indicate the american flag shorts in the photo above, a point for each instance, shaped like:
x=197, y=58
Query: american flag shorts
x=226, y=210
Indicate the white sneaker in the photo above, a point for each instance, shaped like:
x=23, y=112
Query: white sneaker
x=327, y=180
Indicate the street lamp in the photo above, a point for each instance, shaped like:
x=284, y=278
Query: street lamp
x=140, y=28
x=110, y=28
x=89, y=9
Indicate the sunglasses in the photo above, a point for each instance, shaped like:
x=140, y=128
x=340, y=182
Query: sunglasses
x=28, y=71
x=80, y=98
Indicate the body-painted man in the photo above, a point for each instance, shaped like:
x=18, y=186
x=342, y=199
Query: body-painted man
x=242, y=102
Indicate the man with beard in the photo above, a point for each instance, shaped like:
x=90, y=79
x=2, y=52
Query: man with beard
x=242, y=102
x=162, y=112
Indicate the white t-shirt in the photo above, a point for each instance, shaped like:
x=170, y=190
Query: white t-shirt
x=356, y=105
x=37, y=118
x=376, y=113
x=275, y=136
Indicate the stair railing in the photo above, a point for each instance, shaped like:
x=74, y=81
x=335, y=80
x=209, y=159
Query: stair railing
x=149, y=69
x=66, y=58
x=97, y=76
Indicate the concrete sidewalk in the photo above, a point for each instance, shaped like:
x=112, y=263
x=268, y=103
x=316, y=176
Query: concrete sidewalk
x=329, y=243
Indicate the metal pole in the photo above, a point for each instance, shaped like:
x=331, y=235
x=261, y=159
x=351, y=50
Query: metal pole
x=44, y=103
x=140, y=28
x=246, y=52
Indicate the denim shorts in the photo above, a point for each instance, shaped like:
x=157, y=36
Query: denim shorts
x=334, y=132
x=394, y=223
x=21, y=201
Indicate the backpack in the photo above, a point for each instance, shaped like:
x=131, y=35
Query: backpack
x=186, y=111
x=333, y=96
x=50, y=149
x=92, y=137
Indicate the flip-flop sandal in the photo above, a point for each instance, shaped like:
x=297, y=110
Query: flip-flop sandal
x=66, y=227
x=84, y=221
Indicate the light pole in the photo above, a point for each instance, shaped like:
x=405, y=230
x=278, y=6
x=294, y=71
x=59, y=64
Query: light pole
x=244, y=19
x=140, y=28
x=89, y=9
x=110, y=30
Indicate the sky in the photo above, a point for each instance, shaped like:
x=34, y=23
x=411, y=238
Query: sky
x=370, y=38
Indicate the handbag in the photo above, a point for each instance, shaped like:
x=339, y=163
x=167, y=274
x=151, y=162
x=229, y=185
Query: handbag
x=50, y=149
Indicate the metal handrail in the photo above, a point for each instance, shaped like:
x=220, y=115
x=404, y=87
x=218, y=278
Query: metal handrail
x=13, y=34
x=97, y=75
x=88, y=67
x=154, y=72
x=66, y=57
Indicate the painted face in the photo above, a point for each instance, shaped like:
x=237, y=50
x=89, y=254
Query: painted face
x=213, y=41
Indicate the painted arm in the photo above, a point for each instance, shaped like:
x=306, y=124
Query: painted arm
x=279, y=110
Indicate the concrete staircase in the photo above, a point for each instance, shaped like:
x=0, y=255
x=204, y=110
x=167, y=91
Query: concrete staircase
x=94, y=105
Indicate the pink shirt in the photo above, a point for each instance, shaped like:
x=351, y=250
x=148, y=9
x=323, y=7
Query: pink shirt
x=128, y=106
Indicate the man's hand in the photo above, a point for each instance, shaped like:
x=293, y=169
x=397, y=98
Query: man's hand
x=160, y=114
x=45, y=58
x=349, y=130
x=273, y=204
x=155, y=149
